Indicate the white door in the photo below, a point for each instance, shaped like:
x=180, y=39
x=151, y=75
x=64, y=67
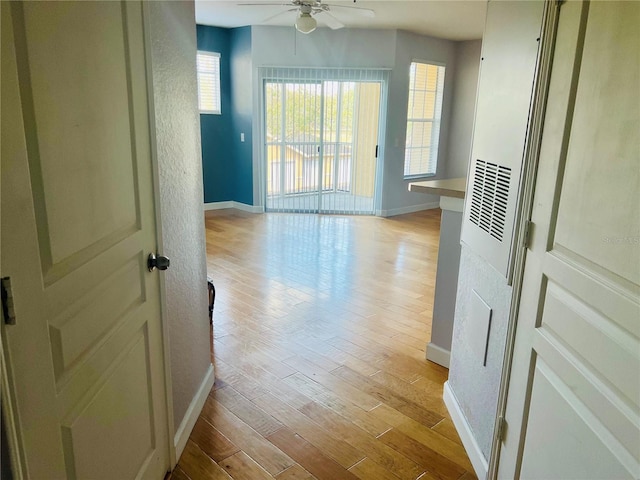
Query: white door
x=573, y=409
x=85, y=354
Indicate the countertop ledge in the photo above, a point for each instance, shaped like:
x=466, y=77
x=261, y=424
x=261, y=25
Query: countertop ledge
x=448, y=187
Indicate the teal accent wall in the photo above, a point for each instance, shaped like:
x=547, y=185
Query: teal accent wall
x=226, y=161
x=242, y=111
x=218, y=168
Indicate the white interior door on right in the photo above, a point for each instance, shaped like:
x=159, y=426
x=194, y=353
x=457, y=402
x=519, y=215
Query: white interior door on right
x=573, y=408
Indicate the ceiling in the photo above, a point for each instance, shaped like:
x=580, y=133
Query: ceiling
x=449, y=19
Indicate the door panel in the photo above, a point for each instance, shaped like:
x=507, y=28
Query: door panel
x=604, y=129
x=574, y=449
x=81, y=325
x=95, y=201
x=574, y=398
x=77, y=225
x=88, y=435
x=363, y=172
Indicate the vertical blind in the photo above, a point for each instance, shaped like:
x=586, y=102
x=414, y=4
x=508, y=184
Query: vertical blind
x=426, y=85
x=208, y=66
x=321, y=130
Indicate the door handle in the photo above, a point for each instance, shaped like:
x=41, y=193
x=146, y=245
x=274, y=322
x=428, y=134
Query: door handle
x=160, y=262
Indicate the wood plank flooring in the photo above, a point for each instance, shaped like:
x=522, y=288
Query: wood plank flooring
x=320, y=325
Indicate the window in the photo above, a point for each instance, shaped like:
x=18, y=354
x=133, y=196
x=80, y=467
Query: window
x=426, y=84
x=208, y=64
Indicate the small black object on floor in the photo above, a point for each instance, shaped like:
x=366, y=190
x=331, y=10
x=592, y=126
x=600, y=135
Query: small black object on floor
x=212, y=296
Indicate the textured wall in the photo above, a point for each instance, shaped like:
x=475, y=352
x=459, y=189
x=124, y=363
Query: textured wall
x=476, y=386
x=173, y=57
x=218, y=155
x=463, y=109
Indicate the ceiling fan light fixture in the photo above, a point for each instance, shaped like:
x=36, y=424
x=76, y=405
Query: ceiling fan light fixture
x=306, y=23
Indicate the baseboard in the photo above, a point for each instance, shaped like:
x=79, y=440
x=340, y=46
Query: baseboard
x=260, y=209
x=410, y=209
x=218, y=205
x=478, y=461
x=232, y=204
x=191, y=416
x=438, y=354
x=248, y=208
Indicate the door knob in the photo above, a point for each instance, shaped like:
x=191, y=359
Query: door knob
x=160, y=262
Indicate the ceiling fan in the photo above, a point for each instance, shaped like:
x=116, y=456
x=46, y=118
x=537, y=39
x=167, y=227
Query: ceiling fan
x=310, y=9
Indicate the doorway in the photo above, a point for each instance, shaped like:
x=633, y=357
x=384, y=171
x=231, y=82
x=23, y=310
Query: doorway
x=321, y=144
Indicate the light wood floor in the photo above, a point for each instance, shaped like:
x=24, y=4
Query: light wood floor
x=320, y=326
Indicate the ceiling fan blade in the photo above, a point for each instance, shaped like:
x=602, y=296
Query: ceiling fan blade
x=332, y=22
x=365, y=12
x=284, y=12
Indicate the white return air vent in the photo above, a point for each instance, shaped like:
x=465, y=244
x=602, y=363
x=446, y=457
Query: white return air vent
x=503, y=106
x=489, y=197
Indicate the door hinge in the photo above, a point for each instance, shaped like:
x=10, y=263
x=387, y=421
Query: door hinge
x=6, y=294
x=377, y=151
x=502, y=429
x=528, y=232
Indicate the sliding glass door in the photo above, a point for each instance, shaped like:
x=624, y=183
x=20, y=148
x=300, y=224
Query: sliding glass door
x=293, y=126
x=321, y=143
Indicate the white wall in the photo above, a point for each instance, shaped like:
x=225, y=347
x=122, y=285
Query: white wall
x=177, y=127
x=464, y=101
x=280, y=46
x=444, y=302
x=409, y=47
x=283, y=46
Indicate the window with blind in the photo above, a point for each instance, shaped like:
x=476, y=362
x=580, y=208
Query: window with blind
x=426, y=83
x=208, y=64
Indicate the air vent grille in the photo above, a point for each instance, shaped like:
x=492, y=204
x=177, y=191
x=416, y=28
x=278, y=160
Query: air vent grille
x=489, y=197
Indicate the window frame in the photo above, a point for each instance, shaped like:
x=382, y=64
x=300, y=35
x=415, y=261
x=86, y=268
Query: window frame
x=435, y=122
x=218, y=80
